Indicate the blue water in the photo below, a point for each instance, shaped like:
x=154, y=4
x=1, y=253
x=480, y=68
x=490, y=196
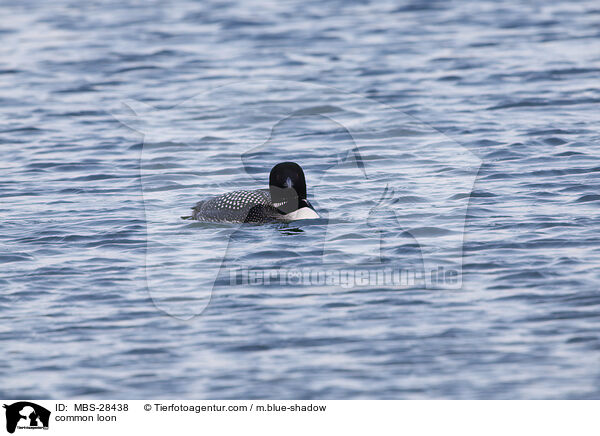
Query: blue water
x=487, y=110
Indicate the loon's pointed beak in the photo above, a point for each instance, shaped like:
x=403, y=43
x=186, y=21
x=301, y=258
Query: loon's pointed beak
x=305, y=211
x=306, y=203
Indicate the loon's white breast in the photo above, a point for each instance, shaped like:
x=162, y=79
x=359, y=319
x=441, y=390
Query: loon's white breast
x=304, y=213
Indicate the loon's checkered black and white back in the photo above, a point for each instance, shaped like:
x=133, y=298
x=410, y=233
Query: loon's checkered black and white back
x=237, y=206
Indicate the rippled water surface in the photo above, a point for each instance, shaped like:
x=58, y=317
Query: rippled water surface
x=408, y=117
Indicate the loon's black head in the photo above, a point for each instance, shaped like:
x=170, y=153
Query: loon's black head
x=288, y=187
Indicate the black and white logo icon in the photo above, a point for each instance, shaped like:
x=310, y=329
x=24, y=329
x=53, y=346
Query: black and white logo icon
x=26, y=415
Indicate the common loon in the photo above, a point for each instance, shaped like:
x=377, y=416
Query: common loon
x=285, y=200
